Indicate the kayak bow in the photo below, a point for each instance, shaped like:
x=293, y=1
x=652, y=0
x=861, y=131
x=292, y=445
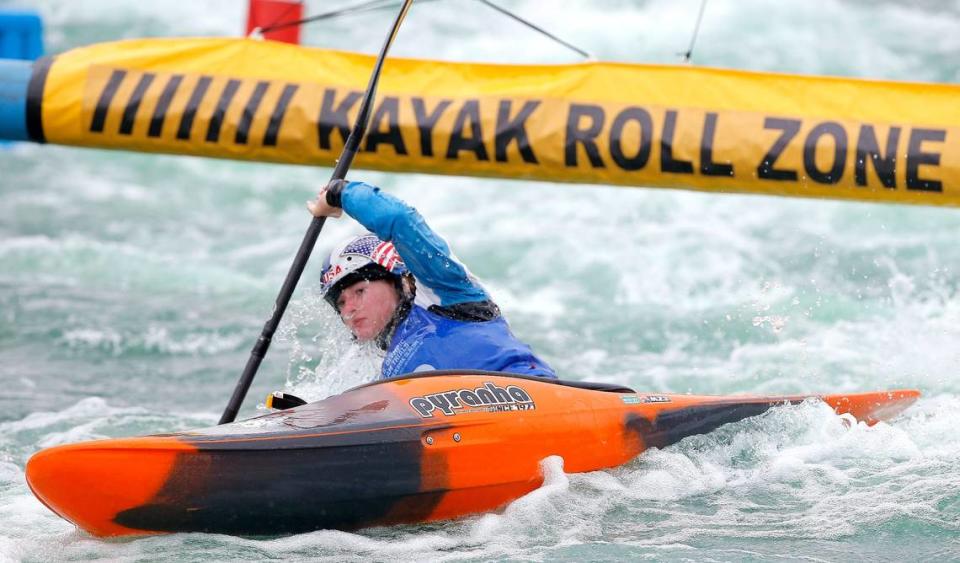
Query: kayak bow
x=412, y=449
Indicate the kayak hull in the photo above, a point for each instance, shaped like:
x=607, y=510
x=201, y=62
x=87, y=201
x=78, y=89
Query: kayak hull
x=406, y=450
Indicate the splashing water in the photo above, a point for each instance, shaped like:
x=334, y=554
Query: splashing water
x=133, y=285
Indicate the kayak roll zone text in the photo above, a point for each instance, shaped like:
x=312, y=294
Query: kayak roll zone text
x=592, y=123
x=784, y=149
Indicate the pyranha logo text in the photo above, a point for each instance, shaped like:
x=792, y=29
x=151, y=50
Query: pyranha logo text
x=486, y=398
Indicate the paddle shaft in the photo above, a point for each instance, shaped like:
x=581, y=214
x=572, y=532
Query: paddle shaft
x=350, y=149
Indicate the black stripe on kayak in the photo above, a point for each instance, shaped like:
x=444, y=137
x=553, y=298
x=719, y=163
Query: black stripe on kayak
x=334, y=435
x=243, y=129
x=133, y=105
x=34, y=109
x=163, y=104
x=273, y=129
x=106, y=96
x=670, y=427
x=190, y=112
x=326, y=483
x=216, y=122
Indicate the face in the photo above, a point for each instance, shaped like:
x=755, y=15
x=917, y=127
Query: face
x=367, y=306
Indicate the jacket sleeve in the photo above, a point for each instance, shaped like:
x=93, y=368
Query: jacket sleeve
x=425, y=254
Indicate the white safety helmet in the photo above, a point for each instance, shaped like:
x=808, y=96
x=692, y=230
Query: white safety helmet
x=363, y=257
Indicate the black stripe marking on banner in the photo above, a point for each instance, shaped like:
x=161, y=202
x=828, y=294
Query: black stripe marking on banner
x=38, y=79
x=103, y=104
x=133, y=105
x=213, y=130
x=243, y=130
x=273, y=129
x=190, y=112
x=163, y=104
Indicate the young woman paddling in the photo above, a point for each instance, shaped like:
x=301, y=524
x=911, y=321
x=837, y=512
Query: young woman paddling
x=401, y=287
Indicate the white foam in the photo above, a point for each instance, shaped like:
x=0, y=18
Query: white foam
x=10, y=551
x=323, y=358
x=92, y=418
x=88, y=407
x=527, y=509
x=660, y=290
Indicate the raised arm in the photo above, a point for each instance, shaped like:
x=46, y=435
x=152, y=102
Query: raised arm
x=425, y=254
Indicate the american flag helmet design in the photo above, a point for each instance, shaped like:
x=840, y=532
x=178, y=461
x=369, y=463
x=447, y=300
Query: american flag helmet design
x=356, y=253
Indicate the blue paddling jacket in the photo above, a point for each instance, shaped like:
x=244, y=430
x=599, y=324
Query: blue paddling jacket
x=452, y=323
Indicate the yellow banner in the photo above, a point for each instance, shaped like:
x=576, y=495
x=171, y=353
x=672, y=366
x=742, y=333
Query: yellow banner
x=603, y=123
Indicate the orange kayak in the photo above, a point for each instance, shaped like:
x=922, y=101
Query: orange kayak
x=412, y=449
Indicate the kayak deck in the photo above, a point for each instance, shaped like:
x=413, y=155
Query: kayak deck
x=413, y=449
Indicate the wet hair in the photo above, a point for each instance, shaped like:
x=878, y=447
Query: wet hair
x=403, y=309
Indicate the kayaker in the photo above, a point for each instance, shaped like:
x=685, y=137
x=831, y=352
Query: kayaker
x=400, y=287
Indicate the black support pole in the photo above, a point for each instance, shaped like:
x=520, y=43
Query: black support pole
x=350, y=150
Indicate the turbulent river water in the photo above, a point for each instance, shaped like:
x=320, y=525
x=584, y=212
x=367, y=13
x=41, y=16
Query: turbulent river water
x=132, y=287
